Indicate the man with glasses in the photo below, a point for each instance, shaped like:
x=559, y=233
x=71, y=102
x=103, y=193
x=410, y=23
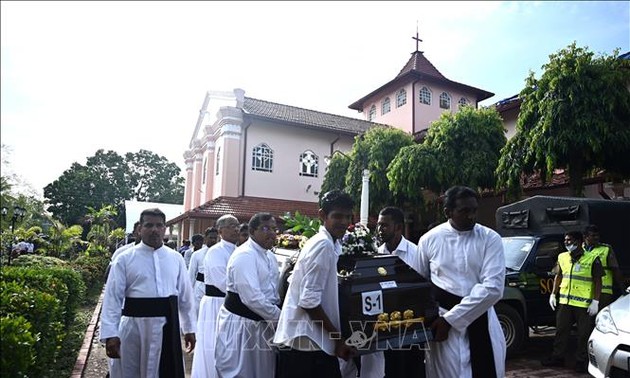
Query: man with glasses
x=251, y=306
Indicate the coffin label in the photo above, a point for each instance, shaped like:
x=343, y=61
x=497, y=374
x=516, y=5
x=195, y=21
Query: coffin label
x=372, y=302
x=388, y=284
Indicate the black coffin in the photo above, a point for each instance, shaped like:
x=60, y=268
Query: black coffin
x=383, y=303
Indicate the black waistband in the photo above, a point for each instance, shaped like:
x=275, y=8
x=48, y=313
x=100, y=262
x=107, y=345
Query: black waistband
x=171, y=359
x=200, y=277
x=234, y=305
x=481, y=355
x=213, y=291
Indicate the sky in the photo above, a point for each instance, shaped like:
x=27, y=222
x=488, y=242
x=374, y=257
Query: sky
x=77, y=77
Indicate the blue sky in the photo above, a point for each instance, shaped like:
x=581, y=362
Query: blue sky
x=79, y=76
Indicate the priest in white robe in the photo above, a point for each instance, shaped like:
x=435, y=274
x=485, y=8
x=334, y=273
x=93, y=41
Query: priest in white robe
x=246, y=320
x=214, y=265
x=196, y=270
x=465, y=261
x=139, y=324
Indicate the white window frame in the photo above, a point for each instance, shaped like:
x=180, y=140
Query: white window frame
x=463, y=101
x=262, y=158
x=425, y=96
x=386, y=106
x=309, y=164
x=401, y=97
x=372, y=113
x=445, y=100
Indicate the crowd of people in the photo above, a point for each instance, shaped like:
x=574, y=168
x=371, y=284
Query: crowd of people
x=221, y=294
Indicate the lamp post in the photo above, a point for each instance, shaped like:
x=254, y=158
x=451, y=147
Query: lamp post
x=18, y=213
x=365, y=188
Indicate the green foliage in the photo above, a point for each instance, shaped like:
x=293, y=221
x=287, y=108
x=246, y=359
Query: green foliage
x=64, y=241
x=374, y=150
x=18, y=352
x=335, y=177
x=92, y=269
x=109, y=179
x=37, y=261
x=460, y=149
x=43, y=312
x=575, y=117
x=300, y=224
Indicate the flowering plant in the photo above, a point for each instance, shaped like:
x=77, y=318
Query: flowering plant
x=289, y=241
x=358, y=240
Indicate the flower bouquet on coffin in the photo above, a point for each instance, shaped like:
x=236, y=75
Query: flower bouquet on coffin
x=358, y=242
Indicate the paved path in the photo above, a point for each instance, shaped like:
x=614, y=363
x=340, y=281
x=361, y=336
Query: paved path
x=92, y=362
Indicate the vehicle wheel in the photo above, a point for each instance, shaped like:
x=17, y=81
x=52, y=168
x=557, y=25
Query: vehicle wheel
x=513, y=327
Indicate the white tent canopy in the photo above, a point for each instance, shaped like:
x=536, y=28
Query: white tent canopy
x=134, y=208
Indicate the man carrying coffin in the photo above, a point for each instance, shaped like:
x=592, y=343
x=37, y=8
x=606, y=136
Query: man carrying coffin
x=147, y=294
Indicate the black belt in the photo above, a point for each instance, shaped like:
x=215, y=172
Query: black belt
x=200, y=277
x=213, y=291
x=481, y=355
x=234, y=305
x=171, y=360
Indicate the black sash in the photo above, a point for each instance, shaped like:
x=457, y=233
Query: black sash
x=234, y=305
x=213, y=291
x=200, y=277
x=481, y=355
x=171, y=360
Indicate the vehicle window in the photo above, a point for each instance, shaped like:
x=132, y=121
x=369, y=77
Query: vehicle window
x=516, y=251
x=551, y=248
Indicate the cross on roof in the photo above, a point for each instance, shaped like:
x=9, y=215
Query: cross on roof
x=418, y=40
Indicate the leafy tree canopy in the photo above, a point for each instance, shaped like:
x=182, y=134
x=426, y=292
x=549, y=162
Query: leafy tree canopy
x=575, y=117
x=109, y=179
x=460, y=149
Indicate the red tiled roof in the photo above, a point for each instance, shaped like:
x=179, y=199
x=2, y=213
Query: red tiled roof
x=245, y=207
x=419, y=67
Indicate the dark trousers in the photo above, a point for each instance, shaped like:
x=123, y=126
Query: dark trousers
x=293, y=363
x=565, y=317
x=404, y=363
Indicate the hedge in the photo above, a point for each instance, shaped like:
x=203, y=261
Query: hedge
x=18, y=352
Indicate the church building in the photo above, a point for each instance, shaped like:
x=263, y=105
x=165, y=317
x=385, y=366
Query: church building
x=248, y=155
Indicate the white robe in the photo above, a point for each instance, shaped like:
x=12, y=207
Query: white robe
x=196, y=266
x=215, y=265
x=243, y=345
x=142, y=272
x=470, y=264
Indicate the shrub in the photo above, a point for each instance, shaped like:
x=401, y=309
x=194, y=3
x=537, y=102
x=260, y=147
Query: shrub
x=39, y=261
x=18, y=353
x=92, y=269
x=43, y=312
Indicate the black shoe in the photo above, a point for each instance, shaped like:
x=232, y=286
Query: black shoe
x=581, y=367
x=552, y=361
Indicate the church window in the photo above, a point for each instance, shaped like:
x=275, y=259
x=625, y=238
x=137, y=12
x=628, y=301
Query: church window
x=309, y=164
x=425, y=96
x=216, y=171
x=445, y=101
x=205, y=170
x=462, y=101
x=372, y=113
x=386, y=106
x=262, y=158
x=401, y=98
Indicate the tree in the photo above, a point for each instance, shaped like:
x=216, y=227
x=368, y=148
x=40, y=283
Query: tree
x=335, y=177
x=374, y=150
x=460, y=149
x=575, y=117
x=109, y=179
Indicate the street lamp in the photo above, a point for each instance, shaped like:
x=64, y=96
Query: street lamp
x=18, y=213
x=365, y=188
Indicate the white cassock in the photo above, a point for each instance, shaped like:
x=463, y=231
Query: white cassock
x=196, y=266
x=469, y=264
x=143, y=272
x=215, y=265
x=243, y=345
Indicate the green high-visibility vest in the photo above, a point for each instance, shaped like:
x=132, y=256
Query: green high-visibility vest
x=602, y=251
x=576, y=288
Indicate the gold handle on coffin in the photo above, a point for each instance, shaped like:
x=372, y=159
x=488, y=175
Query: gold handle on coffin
x=386, y=321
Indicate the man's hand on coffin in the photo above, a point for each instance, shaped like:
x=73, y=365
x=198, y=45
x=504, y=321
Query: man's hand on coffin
x=112, y=347
x=190, y=340
x=440, y=328
x=344, y=351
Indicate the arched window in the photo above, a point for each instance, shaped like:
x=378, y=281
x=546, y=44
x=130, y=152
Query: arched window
x=386, y=106
x=445, y=101
x=262, y=158
x=372, y=113
x=425, y=96
x=218, y=162
x=309, y=164
x=462, y=101
x=401, y=98
x=205, y=170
